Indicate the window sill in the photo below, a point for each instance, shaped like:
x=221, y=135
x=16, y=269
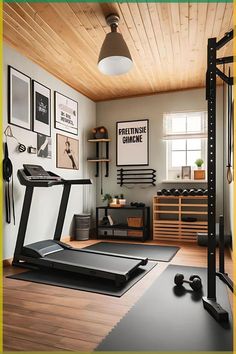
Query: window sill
x=184, y=181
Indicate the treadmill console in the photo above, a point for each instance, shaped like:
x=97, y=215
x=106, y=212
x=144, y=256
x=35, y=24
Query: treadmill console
x=37, y=172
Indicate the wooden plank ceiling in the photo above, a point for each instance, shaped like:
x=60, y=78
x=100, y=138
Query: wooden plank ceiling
x=167, y=42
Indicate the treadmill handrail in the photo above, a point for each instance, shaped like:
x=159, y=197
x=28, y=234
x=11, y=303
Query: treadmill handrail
x=25, y=181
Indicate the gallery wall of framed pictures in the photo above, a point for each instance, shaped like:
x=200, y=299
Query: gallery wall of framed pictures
x=29, y=107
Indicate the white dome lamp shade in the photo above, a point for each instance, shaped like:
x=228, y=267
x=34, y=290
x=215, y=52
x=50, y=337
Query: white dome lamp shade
x=114, y=58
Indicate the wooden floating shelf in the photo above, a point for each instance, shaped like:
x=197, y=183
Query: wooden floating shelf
x=98, y=160
x=165, y=228
x=99, y=140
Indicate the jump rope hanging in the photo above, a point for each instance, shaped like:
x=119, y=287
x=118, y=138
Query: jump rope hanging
x=9, y=191
x=8, y=176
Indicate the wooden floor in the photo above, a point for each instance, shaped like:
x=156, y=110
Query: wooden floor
x=46, y=318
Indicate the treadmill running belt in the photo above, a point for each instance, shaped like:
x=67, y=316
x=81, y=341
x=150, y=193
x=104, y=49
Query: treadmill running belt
x=93, y=261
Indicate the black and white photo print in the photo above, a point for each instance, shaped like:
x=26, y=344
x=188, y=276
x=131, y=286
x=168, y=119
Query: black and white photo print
x=44, y=146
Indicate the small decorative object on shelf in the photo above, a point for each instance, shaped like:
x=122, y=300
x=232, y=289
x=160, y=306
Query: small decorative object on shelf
x=199, y=173
x=100, y=133
x=122, y=200
x=137, y=204
x=186, y=172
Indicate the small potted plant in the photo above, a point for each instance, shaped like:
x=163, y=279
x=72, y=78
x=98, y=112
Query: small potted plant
x=107, y=197
x=199, y=173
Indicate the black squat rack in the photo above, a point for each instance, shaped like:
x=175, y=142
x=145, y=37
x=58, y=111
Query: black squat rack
x=210, y=301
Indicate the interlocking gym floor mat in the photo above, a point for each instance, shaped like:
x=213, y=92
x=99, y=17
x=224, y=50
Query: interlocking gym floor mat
x=167, y=318
x=84, y=283
x=152, y=252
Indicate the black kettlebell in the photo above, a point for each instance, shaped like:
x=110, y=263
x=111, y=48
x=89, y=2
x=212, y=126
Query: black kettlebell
x=159, y=192
x=194, y=281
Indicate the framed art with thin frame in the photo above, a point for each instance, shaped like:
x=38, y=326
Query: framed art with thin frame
x=19, y=98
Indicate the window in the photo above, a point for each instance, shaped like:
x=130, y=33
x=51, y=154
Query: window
x=185, y=134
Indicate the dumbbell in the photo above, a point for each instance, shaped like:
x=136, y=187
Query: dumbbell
x=185, y=193
x=176, y=192
x=194, y=281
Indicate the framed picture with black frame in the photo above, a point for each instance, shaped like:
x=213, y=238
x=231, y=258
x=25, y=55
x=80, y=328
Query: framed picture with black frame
x=66, y=113
x=132, y=143
x=41, y=109
x=19, y=98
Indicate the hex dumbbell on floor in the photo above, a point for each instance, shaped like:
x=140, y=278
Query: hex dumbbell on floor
x=194, y=281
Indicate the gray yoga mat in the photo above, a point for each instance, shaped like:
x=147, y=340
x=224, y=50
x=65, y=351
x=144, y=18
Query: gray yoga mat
x=167, y=318
x=152, y=252
x=81, y=282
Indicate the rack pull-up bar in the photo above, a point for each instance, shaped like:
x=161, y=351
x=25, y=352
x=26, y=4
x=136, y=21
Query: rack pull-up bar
x=224, y=40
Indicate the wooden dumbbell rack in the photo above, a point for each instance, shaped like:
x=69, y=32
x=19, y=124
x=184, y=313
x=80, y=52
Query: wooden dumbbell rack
x=167, y=217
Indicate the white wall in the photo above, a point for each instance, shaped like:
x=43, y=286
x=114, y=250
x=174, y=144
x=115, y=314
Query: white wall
x=45, y=203
x=152, y=108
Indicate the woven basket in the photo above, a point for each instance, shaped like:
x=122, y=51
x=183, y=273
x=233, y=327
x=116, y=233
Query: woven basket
x=135, y=221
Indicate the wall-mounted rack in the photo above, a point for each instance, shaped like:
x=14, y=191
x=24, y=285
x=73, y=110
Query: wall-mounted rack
x=136, y=176
x=97, y=159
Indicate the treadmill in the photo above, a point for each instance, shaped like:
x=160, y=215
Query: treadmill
x=54, y=254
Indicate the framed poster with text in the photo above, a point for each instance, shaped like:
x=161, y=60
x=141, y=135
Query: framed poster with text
x=41, y=109
x=132, y=143
x=66, y=114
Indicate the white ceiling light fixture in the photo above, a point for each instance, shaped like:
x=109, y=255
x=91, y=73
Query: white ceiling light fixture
x=114, y=58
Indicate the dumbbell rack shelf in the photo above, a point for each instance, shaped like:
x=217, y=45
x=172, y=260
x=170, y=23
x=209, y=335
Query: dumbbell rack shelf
x=168, y=212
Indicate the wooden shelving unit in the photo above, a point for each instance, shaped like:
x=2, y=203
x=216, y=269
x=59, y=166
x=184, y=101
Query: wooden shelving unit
x=97, y=159
x=168, y=212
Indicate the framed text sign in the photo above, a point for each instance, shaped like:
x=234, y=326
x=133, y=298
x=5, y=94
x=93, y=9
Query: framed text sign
x=132, y=143
x=41, y=109
x=66, y=114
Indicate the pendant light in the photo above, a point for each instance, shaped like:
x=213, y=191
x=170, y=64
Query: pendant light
x=114, y=58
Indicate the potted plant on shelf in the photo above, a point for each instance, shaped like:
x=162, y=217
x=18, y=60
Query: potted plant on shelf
x=107, y=197
x=199, y=173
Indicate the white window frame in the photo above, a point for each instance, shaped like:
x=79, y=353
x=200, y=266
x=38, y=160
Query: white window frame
x=169, y=137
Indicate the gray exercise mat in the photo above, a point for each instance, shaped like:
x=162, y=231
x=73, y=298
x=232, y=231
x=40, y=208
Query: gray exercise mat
x=152, y=252
x=81, y=282
x=167, y=318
